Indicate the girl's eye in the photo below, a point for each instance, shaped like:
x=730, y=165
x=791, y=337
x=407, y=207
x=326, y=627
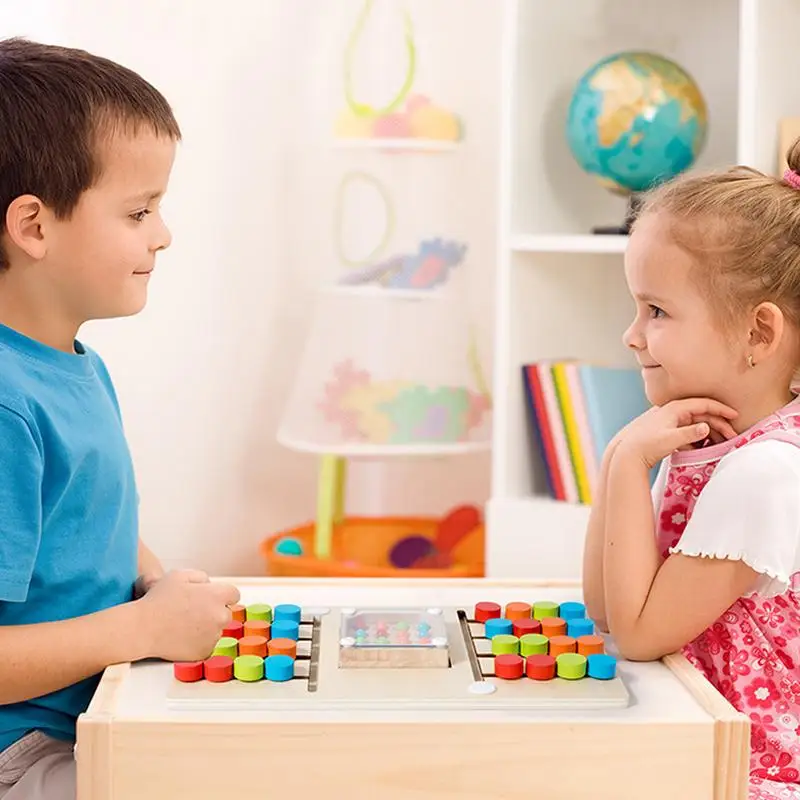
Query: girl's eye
x=140, y=215
x=655, y=312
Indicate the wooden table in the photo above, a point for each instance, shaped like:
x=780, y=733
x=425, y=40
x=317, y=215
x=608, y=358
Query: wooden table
x=678, y=738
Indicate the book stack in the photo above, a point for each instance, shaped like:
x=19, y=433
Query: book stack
x=576, y=409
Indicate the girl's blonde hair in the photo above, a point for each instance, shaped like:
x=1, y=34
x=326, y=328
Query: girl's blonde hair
x=742, y=228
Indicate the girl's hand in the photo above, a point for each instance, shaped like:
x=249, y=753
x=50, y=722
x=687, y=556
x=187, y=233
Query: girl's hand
x=663, y=429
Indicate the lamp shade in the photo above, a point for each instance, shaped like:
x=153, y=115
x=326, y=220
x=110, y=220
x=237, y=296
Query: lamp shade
x=387, y=373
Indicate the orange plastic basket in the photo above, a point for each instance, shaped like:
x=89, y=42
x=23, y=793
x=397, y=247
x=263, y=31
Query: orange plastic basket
x=361, y=547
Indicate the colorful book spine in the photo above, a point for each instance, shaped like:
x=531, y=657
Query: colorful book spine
x=575, y=410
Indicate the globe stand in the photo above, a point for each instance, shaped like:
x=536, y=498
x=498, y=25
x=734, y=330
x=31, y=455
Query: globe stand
x=634, y=206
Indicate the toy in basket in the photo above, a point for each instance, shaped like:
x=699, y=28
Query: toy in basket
x=403, y=116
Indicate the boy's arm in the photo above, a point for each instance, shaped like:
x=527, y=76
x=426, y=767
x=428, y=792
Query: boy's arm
x=149, y=565
x=42, y=658
x=179, y=619
x=150, y=571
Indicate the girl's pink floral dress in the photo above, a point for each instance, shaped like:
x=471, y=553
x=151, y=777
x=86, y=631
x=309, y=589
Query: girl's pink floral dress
x=751, y=654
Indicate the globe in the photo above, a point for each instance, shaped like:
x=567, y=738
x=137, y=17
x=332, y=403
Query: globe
x=635, y=120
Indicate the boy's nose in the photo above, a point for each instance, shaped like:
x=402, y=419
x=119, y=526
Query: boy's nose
x=164, y=238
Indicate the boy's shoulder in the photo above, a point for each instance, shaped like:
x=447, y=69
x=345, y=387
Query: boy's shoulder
x=29, y=386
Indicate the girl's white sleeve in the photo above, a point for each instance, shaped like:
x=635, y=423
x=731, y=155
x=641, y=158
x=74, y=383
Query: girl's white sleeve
x=750, y=511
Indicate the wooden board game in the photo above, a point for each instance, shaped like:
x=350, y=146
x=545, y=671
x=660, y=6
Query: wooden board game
x=662, y=733
x=417, y=657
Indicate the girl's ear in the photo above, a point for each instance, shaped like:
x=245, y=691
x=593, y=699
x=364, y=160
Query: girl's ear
x=767, y=328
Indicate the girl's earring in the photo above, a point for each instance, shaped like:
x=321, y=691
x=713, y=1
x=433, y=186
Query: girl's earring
x=750, y=362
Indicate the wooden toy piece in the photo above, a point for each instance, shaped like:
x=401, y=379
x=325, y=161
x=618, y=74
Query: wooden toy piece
x=590, y=645
x=505, y=644
x=259, y=611
x=601, y=666
x=278, y=668
x=521, y=627
x=285, y=629
x=253, y=646
x=540, y=667
x=248, y=668
x=218, y=669
x=498, y=626
x=509, y=667
x=282, y=647
x=545, y=608
x=579, y=627
x=188, y=671
x=486, y=610
x=227, y=646
x=532, y=644
x=553, y=626
x=516, y=611
x=562, y=644
x=257, y=627
x=234, y=630
x=570, y=666
x=572, y=610
x=288, y=611
x=238, y=612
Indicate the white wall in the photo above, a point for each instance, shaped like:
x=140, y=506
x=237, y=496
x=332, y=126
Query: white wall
x=203, y=372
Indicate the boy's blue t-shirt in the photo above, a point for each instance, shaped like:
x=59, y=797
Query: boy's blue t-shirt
x=68, y=507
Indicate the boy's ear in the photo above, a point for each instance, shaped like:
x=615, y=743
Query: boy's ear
x=25, y=225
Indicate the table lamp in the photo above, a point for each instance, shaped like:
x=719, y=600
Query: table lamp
x=385, y=372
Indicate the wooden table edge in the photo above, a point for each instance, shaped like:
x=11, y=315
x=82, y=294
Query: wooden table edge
x=731, y=730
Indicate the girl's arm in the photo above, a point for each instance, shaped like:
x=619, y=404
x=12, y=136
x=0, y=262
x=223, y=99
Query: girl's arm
x=654, y=607
x=593, y=584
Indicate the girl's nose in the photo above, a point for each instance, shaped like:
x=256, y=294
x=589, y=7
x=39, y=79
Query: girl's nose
x=633, y=337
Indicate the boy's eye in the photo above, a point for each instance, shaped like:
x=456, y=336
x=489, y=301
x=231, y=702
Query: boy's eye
x=655, y=312
x=140, y=215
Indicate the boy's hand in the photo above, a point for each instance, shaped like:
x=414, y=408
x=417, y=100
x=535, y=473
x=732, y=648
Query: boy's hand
x=663, y=429
x=183, y=614
x=146, y=581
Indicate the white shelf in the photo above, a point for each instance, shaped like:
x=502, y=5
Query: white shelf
x=388, y=294
x=371, y=451
x=539, y=537
x=568, y=243
x=559, y=289
x=410, y=145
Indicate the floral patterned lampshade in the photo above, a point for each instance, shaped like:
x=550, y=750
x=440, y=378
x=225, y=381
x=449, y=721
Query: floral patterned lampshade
x=388, y=373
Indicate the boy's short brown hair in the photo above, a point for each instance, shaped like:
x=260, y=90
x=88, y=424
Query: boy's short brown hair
x=56, y=105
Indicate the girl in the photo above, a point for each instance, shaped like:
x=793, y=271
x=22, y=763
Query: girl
x=709, y=562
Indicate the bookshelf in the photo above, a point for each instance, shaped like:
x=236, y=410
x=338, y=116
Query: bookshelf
x=560, y=290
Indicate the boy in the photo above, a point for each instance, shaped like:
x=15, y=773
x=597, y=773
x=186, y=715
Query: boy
x=86, y=150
